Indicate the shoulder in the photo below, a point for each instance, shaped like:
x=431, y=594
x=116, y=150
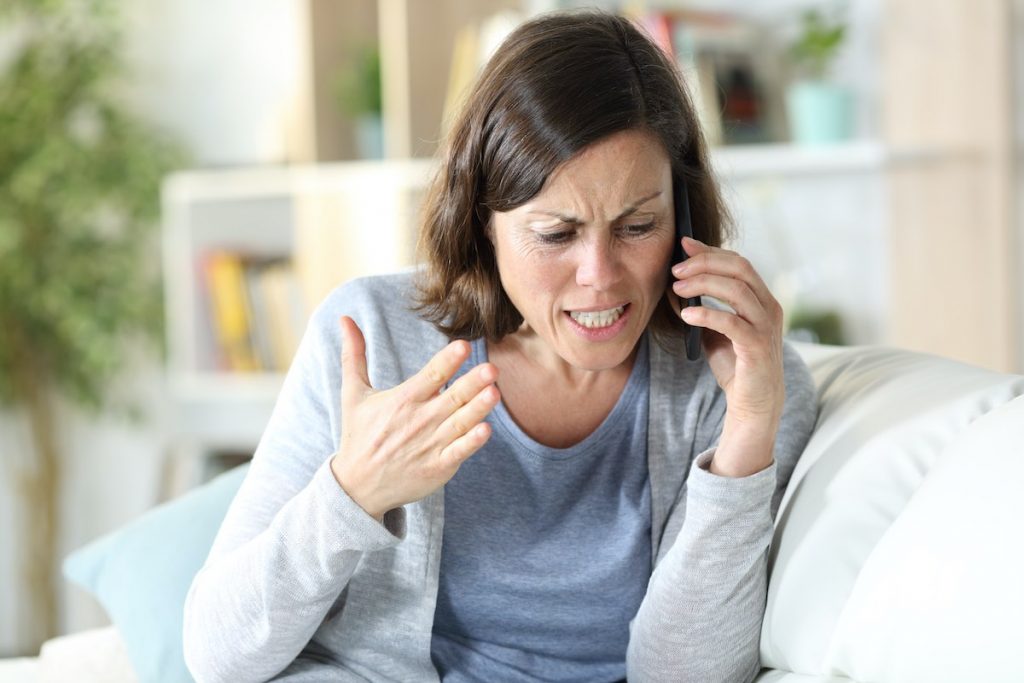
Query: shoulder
x=378, y=294
x=378, y=303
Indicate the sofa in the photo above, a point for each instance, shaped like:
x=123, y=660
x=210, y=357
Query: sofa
x=896, y=556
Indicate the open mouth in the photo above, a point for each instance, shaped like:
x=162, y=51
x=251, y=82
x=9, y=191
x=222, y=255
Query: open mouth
x=597, y=319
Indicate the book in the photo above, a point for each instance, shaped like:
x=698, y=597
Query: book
x=286, y=315
x=658, y=25
x=257, y=314
x=230, y=310
x=261, y=323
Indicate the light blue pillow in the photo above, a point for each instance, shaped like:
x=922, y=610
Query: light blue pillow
x=141, y=573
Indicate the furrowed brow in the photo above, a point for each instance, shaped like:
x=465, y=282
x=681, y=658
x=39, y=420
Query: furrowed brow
x=573, y=220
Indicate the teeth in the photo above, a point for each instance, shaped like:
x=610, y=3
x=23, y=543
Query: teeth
x=595, y=319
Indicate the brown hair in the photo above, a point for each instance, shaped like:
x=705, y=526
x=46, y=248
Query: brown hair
x=558, y=83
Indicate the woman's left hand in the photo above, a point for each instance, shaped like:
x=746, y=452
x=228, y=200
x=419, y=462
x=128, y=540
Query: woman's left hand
x=744, y=350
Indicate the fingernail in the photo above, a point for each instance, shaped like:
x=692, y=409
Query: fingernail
x=680, y=269
x=693, y=241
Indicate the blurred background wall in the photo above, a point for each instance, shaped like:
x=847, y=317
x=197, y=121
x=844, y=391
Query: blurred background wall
x=904, y=229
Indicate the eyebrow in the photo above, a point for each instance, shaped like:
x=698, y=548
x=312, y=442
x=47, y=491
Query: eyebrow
x=632, y=208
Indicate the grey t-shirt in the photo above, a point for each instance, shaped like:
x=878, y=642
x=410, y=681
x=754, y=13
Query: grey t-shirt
x=547, y=551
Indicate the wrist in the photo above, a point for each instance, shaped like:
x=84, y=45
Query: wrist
x=352, y=491
x=741, y=453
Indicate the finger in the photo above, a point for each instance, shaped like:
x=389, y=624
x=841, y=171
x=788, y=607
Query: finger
x=706, y=259
x=698, y=258
x=425, y=384
x=692, y=247
x=459, y=450
x=463, y=420
x=464, y=389
x=354, y=378
x=732, y=291
x=739, y=331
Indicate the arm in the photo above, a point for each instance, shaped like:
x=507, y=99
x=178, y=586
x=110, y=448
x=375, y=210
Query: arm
x=291, y=538
x=304, y=518
x=701, y=618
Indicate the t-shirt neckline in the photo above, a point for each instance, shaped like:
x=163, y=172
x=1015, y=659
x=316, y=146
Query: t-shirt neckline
x=634, y=390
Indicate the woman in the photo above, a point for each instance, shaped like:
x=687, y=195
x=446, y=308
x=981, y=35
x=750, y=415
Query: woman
x=513, y=473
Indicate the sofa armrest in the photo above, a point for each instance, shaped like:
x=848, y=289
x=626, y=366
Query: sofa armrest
x=19, y=670
x=891, y=551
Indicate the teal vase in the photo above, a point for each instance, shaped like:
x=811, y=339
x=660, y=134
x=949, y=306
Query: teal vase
x=819, y=112
x=369, y=137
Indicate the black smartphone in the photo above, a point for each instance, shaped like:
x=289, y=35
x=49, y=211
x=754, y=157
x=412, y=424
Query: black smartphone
x=685, y=229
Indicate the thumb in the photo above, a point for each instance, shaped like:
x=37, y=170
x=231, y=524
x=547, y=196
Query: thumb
x=354, y=379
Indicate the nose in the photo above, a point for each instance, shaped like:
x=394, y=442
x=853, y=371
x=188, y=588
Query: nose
x=599, y=266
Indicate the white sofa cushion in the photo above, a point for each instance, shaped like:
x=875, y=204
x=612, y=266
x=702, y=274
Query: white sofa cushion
x=886, y=418
x=941, y=597
x=776, y=676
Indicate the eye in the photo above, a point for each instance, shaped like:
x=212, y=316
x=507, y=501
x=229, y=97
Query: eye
x=638, y=229
x=560, y=237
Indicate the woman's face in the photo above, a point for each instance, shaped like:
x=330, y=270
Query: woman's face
x=586, y=260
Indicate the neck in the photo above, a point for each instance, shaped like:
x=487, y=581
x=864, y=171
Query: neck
x=525, y=351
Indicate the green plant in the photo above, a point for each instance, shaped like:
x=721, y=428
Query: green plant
x=822, y=326
x=818, y=43
x=357, y=87
x=79, y=198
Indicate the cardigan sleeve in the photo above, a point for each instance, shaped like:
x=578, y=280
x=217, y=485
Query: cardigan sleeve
x=700, y=621
x=291, y=539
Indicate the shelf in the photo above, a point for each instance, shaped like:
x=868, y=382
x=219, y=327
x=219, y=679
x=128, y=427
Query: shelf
x=286, y=181
x=219, y=386
x=789, y=160
x=224, y=410
x=738, y=161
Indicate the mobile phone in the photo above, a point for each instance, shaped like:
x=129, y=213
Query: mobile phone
x=685, y=229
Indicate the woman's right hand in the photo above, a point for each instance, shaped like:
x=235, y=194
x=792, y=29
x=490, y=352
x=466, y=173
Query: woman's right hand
x=402, y=444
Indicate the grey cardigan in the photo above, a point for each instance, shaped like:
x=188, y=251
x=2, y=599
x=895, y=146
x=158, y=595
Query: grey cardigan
x=302, y=585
